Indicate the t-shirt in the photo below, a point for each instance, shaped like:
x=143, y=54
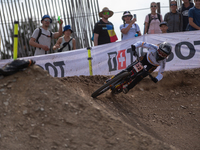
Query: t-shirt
x=101, y=28
x=194, y=13
x=131, y=33
x=173, y=21
x=44, y=40
x=154, y=27
x=184, y=11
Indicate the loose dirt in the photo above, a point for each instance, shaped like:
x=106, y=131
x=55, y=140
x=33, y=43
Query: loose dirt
x=39, y=112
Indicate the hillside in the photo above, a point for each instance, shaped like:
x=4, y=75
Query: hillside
x=45, y=113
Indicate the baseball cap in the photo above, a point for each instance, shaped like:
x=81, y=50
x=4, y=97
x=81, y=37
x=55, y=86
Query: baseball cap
x=163, y=23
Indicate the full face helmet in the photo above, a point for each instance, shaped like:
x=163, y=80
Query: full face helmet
x=164, y=51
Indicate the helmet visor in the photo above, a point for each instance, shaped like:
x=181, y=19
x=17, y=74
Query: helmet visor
x=162, y=54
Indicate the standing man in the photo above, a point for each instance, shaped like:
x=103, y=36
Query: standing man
x=173, y=18
x=194, y=16
x=104, y=30
x=187, y=4
x=41, y=37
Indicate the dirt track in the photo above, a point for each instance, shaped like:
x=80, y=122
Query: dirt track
x=45, y=113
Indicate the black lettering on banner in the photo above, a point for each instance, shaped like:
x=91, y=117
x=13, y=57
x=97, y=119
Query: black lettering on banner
x=112, y=61
x=196, y=42
x=178, y=50
x=47, y=65
x=40, y=66
x=60, y=64
x=171, y=56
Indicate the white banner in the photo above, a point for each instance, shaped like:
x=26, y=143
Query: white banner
x=109, y=59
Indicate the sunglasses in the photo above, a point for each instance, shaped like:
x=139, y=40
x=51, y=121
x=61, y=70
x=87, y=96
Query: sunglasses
x=127, y=16
x=173, y=4
x=106, y=13
x=47, y=20
x=153, y=6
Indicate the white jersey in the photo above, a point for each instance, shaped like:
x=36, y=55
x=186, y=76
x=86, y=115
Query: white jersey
x=151, y=57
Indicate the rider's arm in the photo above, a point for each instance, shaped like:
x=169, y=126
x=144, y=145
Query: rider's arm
x=161, y=70
x=159, y=76
x=145, y=45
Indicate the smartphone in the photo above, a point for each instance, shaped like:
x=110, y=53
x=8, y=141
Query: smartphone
x=135, y=16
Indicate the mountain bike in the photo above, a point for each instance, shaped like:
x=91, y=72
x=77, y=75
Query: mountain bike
x=118, y=82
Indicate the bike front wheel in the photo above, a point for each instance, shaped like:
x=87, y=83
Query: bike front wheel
x=108, y=85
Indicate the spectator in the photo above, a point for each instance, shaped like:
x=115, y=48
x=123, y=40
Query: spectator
x=173, y=18
x=66, y=42
x=41, y=37
x=129, y=29
x=104, y=30
x=153, y=20
x=194, y=16
x=187, y=4
x=163, y=27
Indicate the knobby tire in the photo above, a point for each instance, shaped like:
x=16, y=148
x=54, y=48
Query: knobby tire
x=106, y=86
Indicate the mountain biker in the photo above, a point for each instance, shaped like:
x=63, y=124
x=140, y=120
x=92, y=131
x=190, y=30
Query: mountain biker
x=156, y=56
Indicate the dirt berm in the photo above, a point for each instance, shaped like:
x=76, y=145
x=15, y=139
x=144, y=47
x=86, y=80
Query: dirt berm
x=39, y=112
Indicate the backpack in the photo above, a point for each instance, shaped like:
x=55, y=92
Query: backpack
x=150, y=19
x=64, y=45
x=40, y=33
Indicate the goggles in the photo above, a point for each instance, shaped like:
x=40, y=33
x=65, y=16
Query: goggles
x=162, y=54
x=153, y=6
x=127, y=16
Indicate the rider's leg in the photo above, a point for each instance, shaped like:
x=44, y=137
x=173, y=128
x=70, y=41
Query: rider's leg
x=137, y=80
x=150, y=68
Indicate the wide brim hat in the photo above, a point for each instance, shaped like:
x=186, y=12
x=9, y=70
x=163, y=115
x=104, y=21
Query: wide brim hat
x=127, y=13
x=46, y=16
x=105, y=9
x=67, y=27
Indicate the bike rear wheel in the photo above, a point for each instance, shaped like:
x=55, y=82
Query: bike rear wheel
x=107, y=86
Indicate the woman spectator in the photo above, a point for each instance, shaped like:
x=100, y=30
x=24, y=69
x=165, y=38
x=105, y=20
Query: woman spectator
x=129, y=29
x=153, y=20
x=173, y=18
x=66, y=42
x=187, y=4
